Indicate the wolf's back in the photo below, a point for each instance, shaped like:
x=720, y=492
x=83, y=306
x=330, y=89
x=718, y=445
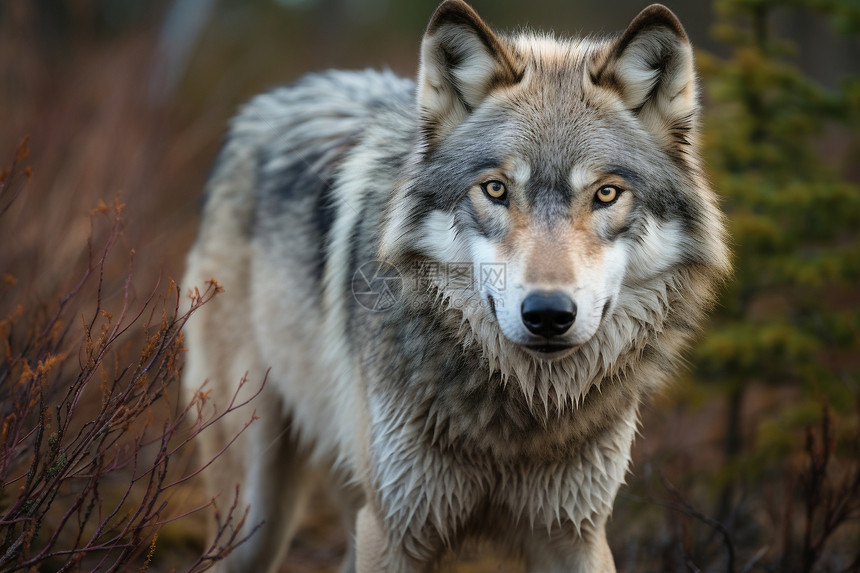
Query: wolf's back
x=288, y=143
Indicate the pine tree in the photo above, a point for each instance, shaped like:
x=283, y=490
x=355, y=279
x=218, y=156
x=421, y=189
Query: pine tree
x=790, y=318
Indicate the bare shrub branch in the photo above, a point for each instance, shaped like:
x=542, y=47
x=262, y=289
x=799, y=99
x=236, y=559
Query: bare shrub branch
x=74, y=433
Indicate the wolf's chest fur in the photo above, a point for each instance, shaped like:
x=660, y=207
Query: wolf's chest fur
x=446, y=425
x=474, y=440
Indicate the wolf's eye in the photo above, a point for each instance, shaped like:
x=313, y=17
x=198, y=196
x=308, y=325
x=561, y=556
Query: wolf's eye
x=607, y=194
x=495, y=190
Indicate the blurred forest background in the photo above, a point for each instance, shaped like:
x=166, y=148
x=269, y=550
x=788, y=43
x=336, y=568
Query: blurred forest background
x=751, y=462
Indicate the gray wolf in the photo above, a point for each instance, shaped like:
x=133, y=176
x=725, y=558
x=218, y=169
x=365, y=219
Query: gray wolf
x=461, y=288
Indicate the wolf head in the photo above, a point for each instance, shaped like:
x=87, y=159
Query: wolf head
x=567, y=174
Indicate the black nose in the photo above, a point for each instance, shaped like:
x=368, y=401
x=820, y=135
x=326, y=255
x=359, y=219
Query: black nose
x=548, y=313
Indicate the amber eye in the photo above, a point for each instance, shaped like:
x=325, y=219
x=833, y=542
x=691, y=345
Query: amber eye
x=495, y=190
x=607, y=194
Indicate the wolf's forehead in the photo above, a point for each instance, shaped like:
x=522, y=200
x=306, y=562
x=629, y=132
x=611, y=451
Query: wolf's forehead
x=553, y=102
x=555, y=70
x=544, y=52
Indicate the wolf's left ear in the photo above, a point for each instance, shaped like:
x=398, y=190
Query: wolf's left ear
x=462, y=61
x=651, y=67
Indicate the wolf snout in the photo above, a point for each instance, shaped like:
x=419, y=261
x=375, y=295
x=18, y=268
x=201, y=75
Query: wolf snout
x=548, y=313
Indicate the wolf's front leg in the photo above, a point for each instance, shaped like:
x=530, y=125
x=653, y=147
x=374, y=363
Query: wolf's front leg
x=374, y=550
x=413, y=512
x=370, y=554
x=383, y=548
x=566, y=551
x=410, y=539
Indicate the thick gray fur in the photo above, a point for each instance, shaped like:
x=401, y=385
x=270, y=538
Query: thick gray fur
x=433, y=417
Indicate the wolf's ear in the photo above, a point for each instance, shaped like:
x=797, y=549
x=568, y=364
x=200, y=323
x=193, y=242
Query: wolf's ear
x=462, y=60
x=651, y=67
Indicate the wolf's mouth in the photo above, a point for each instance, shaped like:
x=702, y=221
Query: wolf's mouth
x=548, y=349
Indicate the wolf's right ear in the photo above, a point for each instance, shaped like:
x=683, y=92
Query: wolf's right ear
x=462, y=60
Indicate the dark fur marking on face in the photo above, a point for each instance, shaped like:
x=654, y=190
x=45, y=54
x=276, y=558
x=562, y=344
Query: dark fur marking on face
x=622, y=230
x=605, y=309
x=466, y=219
x=672, y=204
x=448, y=176
x=549, y=196
x=628, y=174
x=663, y=199
x=680, y=132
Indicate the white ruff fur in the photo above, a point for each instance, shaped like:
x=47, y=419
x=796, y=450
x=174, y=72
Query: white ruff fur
x=636, y=318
